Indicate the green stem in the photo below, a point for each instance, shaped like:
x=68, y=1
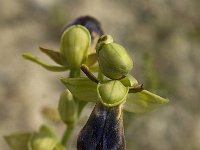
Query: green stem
x=67, y=134
x=70, y=127
x=74, y=73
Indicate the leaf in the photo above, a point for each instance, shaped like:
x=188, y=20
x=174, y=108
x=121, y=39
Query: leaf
x=82, y=88
x=112, y=93
x=143, y=101
x=18, y=141
x=91, y=60
x=46, y=66
x=56, y=56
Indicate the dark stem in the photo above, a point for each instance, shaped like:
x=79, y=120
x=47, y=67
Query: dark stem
x=136, y=89
x=122, y=77
x=87, y=72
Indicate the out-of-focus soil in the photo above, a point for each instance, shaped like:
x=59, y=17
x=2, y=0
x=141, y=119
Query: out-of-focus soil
x=163, y=38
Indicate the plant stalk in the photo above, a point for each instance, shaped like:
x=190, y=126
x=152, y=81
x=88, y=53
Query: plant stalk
x=67, y=134
x=70, y=127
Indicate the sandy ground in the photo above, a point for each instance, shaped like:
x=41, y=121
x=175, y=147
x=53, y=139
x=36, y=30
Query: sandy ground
x=162, y=37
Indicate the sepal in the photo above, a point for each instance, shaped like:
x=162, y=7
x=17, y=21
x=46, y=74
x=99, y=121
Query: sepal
x=18, y=141
x=82, y=88
x=54, y=55
x=143, y=101
x=129, y=81
x=35, y=59
x=91, y=60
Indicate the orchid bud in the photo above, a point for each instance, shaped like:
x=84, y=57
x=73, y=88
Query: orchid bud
x=113, y=59
x=112, y=93
x=74, y=45
x=43, y=140
x=67, y=107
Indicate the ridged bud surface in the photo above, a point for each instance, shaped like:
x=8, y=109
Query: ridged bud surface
x=74, y=45
x=67, y=107
x=113, y=59
x=112, y=93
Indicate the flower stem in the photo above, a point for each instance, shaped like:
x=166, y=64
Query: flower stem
x=67, y=134
x=87, y=72
x=70, y=127
x=74, y=73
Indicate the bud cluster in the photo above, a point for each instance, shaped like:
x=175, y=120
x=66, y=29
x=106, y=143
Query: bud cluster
x=84, y=47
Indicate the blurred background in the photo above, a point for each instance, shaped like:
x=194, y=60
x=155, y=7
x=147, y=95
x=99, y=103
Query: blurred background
x=163, y=37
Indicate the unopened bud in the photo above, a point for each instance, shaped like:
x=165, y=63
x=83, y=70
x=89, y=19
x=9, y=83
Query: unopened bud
x=67, y=107
x=113, y=59
x=43, y=140
x=74, y=45
x=112, y=93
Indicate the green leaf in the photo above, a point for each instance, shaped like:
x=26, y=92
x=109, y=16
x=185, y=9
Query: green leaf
x=91, y=60
x=18, y=141
x=54, y=55
x=143, y=101
x=46, y=66
x=82, y=88
x=112, y=93
x=43, y=140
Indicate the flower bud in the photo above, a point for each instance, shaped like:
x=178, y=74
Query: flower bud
x=113, y=59
x=74, y=46
x=67, y=107
x=43, y=140
x=112, y=93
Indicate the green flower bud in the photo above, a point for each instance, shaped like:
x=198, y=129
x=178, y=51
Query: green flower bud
x=67, y=107
x=112, y=93
x=43, y=140
x=113, y=59
x=43, y=144
x=74, y=45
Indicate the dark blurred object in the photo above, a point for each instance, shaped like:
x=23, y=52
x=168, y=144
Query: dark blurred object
x=92, y=24
x=103, y=130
